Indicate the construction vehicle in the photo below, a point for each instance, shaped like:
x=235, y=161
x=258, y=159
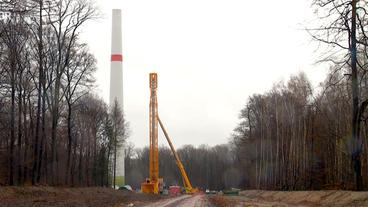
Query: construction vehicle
x=154, y=184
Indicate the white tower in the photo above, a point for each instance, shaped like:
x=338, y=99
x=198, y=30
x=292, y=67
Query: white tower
x=116, y=84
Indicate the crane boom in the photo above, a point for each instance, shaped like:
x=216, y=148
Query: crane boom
x=188, y=186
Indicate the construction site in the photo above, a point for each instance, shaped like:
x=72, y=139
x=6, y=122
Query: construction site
x=154, y=193
x=195, y=103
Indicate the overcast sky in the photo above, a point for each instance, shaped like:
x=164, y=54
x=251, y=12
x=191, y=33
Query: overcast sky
x=210, y=55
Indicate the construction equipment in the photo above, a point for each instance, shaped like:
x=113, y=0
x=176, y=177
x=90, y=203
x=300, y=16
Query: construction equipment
x=154, y=184
x=187, y=185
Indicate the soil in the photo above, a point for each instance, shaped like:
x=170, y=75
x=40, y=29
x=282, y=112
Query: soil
x=258, y=198
x=333, y=198
x=106, y=197
x=70, y=197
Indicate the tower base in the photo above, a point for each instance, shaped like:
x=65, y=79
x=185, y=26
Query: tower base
x=152, y=187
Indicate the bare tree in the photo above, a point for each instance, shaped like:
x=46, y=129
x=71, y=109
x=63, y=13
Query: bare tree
x=78, y=81
x=45, y=109
x=14, y=36
x=342, y=28
x=65, y=19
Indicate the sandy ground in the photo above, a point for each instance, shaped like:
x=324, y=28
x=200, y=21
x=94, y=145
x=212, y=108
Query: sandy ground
x=312, y=198
x=256, y=198
x=239, y=201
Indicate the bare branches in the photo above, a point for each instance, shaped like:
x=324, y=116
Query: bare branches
x=347, y=20
x=46, y=72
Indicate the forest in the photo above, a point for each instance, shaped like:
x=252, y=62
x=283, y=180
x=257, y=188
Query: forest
x=55, y=130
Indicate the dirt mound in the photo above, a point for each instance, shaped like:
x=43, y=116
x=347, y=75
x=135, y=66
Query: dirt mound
x=221, y=201
x=60, y=197
x=310, y=198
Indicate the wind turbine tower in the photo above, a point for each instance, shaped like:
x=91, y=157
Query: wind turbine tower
x=116, y=84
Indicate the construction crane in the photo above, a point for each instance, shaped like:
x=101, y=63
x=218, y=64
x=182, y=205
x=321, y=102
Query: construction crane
x=154, y=184
x=187, y=185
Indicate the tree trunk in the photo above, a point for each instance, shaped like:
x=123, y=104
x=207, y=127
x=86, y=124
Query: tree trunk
x=69, y=142
x=95, y=155
x=87, y=160
x=74, y=160
x=115, y=147
x=356, y=155
x=43, y=132
x=80, y=159
x=55, y=118
x=20, y=130
x=12, y=119
x=38, y=115
x=107, y=167
x=26, y=139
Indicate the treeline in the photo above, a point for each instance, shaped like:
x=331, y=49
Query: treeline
x=295, y=138
x=292, y=138
x=53, y=130
x=341, y=26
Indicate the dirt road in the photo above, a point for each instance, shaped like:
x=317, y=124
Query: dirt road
x=198, y=200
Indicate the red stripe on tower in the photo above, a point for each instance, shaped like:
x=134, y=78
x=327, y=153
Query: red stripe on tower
x=117, y=58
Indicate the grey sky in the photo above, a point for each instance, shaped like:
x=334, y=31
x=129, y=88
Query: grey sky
x=210, y=55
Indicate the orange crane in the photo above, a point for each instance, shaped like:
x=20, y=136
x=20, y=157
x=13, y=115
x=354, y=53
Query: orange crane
x=154, y=184
x=187, y=185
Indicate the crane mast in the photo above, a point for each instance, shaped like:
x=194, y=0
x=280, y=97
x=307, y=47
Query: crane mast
x=153, y=129
x=153, y=183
